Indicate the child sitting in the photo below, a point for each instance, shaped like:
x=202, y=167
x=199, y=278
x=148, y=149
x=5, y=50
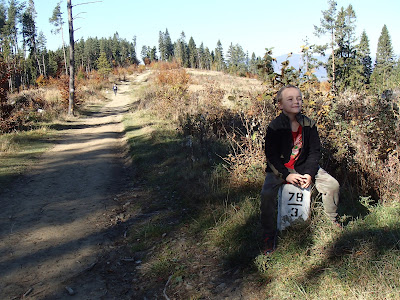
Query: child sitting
x=293, y=151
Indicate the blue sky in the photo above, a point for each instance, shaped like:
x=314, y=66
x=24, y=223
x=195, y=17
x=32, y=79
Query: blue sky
x=254, y=25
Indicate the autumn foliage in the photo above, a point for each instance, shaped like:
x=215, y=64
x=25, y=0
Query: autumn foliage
x=359, y=132
x=49, y=98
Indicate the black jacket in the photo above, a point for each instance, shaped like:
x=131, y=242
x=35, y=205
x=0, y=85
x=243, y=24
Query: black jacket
x=279, y=144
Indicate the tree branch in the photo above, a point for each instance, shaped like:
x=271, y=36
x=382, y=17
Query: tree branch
x=86, y=3
x=75, y=17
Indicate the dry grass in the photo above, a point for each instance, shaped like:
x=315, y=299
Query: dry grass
x=315, y=260
x=20, y=150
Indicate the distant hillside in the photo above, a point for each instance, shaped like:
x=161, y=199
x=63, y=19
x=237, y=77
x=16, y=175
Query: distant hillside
x=295, y=61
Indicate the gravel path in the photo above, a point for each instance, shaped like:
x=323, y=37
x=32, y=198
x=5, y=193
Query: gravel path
x=54, y=219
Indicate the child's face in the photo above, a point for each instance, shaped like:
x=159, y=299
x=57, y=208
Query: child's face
x=291, y=101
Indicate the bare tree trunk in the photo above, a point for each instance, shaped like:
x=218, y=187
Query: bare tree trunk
x=44, y=67
x=24, y=74
x=65, y=56
x=10, y=84
x=71, y=60
x=333, y=63
x=38, y=63
x=88, y=66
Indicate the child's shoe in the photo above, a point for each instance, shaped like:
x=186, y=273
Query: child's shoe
x=269, y=244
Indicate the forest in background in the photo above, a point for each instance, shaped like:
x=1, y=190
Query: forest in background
x=208, y=155
x=28, y=62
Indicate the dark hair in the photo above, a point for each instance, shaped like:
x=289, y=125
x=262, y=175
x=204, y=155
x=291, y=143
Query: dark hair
x=278, y=97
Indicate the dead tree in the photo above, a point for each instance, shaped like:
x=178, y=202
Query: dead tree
x=72, y=56
x=71, y=60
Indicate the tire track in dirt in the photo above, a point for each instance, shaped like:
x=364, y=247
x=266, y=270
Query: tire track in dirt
x=53, y=219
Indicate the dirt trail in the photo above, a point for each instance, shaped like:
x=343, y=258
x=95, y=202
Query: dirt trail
x=53, y=220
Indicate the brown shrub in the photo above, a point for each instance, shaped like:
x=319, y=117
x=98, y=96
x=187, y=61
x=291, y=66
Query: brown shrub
x=63, y=86
x=141, y=68
x=26, y=108
x=41, y=81
x=176, y=78
x=163, y=65
x=359, y=132
x=171, y=97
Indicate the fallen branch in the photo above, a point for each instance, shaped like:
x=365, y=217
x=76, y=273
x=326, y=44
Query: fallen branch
x=27, y=292
x=90, y=267
x=165, y=288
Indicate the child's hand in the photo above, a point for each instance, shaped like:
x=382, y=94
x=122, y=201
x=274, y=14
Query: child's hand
x=304, y=181
x=295, y=179
x=307, y=180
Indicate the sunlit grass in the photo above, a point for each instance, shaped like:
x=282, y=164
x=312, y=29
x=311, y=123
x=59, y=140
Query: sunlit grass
x=20, y=150
x=319, y=261
x=314, y=260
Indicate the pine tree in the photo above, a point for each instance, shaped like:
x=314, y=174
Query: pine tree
x=396, y=73
x=29, y=27
x=236, y=59
x=145, y=54
x=92, y=53
x=11, y=53
x=57, y=21
x=106, y=47
x=29, y=35
x=80, y=59
x=181, y=51
x=132, y=54
x=207, y=59
x=364, y=60
x=153, y=54
x=384, y=54
x=54, y=63
x=247, y=61
x=11, y=32
x=193, y=55
x=384, y=62
x=115, y=44
x=230, y=59
x=169, y=47
x=3, y=13
x=201, y=57
x=103, y=65
x=328, y=25
x=161, y=46
x=253, y=64
x=345, y=60
x=125, y=47
x=219, y=60
x=42, y=51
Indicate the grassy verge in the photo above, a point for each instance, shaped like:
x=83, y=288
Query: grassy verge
x=39, y=131
x=184, y=204
x=21, y=150
x=318, y=262
x=204, y=235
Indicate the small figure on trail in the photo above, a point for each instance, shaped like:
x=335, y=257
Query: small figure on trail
x=293, y=151
x=115, y=88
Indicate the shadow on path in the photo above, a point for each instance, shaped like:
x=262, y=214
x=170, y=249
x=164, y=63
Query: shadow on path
x=54, y=219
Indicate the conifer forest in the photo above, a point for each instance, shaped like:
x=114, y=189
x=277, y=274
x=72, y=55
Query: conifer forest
x=27, y=61
x=195, y=132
